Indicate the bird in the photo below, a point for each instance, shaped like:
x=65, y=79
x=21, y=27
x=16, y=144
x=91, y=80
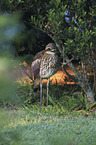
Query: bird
x=45, y=64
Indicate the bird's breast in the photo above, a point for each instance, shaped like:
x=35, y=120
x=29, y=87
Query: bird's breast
x=49, y=65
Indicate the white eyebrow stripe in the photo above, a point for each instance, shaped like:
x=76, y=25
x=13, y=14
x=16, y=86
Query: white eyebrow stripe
x=49, y=52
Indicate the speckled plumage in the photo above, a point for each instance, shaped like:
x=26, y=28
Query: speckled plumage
x=49, y=64
x=46, y=63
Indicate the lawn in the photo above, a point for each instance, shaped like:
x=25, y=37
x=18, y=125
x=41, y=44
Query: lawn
x=47, y=126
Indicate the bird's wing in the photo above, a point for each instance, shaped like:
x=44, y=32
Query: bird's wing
x=39, y=55
x=36, y=64
x=36, y=72
x=35, y=68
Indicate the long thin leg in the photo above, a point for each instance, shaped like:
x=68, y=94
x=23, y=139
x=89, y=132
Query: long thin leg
x=41, y=91
x=47, y=92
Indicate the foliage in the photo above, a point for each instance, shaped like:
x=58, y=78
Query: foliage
x=73, y=99
x=9, y=26
x=71, y=25
x=31, y=40
x=76, y=34
x=9, y=29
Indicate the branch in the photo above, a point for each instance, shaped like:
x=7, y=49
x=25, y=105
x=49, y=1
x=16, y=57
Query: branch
x=70, y=76
x=64, y=63
x=55, y=42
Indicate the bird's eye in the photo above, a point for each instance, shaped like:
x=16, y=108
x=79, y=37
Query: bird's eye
x=48, y=48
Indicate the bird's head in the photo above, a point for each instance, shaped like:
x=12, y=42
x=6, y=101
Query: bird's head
x=51, y=47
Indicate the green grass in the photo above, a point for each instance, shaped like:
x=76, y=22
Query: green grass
x=46, y=126
x=60, y=123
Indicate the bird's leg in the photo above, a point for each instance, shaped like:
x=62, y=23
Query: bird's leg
x=41, y=91
x=47, y=92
